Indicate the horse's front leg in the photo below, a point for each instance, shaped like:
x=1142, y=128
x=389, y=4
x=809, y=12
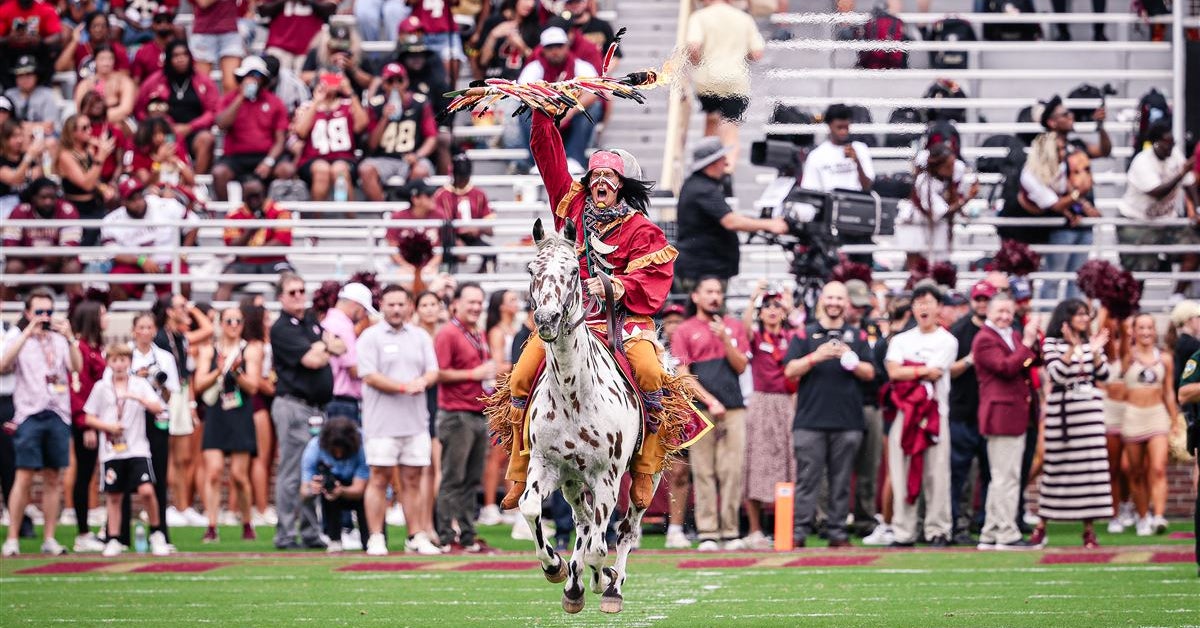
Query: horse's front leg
x=540, y=483
x=629, y=532
x=582, y=502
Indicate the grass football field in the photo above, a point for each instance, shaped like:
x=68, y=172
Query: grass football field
x=1130, y=581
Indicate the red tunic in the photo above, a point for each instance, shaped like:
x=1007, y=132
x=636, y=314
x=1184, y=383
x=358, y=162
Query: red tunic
x=644, y=261
x=766, y=361
x=331, y=136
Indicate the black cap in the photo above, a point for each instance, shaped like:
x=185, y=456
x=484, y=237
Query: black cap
x=420, y=187
x=25, y=64
x=1050, y=106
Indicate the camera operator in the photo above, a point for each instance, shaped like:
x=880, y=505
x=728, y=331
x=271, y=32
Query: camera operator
x=159, y=368
x=840, y=164
x=708, y=246
x=335, y=469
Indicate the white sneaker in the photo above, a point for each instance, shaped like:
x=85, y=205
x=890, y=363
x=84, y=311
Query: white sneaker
x=678, y=540
x=51, y=547
x=270, y=516
x=175, y=519
x=709, y=546
x=11, y=547
x=759, y=541
x=97, y=516
x=333, y=547
x=489, y=516
x=1160, y=524
x=376, y=545
x=1127, y=515
x=1031, y=519
x=420, y=544
x=67, y=518
x=395, y=516
x=228, y=518
x=87, y=544
x=5, y=521
x=257, y=519
x=511, y=516
x=35, y=514
x=734, y=545
x=1145, y=526
x=113, y=548
x=881, y=536
x=194, y=518
x=1114, y=526
x=352, y=540
x=158, y=544
x=521, y=531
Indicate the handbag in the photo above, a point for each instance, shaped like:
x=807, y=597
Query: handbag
x=212, y=394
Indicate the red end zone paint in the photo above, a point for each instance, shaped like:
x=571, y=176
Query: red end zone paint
x=1077, y=558
x=833, y=561
x=382, y=567
x=61, y=568
x=718, y=563
x=178, y=567
x=500, y=565
x=1173, y=557
x=1181, y=535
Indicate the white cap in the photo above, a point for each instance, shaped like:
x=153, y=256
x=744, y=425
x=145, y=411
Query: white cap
x=360, y=294
x=553, y=36
x=251, y=64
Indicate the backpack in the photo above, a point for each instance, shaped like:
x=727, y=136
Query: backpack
x=1008, y=191
x=950, y=29
x=861, y=115
x=1085, y=91
x=944, y=132
x=903, y=115
x=944, y=88
x=791, y=115
x=1026, y=115
x=1010, y=32
x=895, y=185
x=883, y=26
x=1014, y=160
x=1152, y=107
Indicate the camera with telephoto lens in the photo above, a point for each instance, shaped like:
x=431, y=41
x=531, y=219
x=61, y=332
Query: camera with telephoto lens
x=157, y=376
x=328, y=481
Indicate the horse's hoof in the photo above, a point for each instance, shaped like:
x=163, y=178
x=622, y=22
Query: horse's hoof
x=611, y=603
x=572, y=606
x=557, y=575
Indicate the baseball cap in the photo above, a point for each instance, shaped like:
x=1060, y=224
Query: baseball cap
x=1021, y=290
x=420, y=187
x=129, y=186
x=164, y=13
x=339, y=37
x=954, y=297
x=252, y=64
x=673, y=309
x=360, y=294
x=393, y=70
x=1184, y=311
x=860, y=295
x=553, y=36
x=983, y=290
x=6, y=104
x=26, y=64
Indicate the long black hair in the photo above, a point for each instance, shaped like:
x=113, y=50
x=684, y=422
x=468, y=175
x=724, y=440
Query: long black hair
x=254, y=321
x=495, y=302
x=168, y=69
x=634, y=192
x=85, y=321
x=1063, y=313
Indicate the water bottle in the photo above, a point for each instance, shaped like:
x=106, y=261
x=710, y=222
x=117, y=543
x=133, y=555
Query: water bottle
x=341, y=190
x=140, y=545
x=397, y=105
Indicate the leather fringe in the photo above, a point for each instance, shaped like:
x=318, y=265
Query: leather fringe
x=501, y=415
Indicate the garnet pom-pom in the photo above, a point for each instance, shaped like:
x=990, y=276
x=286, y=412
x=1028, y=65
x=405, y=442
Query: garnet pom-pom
x=416, y=248
x=1115, y=289
x=918, y=271
x=325, y=297
x=945, y=274
x=1015, y=258
x=1094, y=272
x=847, y=270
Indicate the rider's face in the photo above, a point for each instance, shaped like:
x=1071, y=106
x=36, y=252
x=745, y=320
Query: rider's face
x=603, y=184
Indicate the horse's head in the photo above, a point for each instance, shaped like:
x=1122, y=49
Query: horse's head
x=554, y=286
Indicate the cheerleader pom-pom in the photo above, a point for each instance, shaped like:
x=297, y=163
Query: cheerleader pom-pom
x=945, y=274
x=847, y=270
x=369, y=280
x=918, y=271
x=325, y=297
x=1016, y=258
x=1092, y=275
x=1120, y=295
x=416, y=248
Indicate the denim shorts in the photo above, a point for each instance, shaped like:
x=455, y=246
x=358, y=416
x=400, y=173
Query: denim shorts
x=210, y=48
x=448, y=46
x=43, y=441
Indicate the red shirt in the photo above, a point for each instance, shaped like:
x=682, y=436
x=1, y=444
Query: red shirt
x=204, y=87
x=394, y=234
x=694, y=341
x=281, y=235
x=331, y=136
x=84, y=380
x=110, y=165
x=83, y=54
x=40, y=17
x=294, y=28
x=460, y=350
x=43, y=236
x=140, y=158
x=435, y=16
x=146, y=61
x=767, y=352
x=254, y=128
x=468, y=204
x=220, y=17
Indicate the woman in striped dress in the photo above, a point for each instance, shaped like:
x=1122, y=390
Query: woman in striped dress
x=1075, y=480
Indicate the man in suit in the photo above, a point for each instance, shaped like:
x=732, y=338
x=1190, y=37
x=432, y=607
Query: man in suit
x=1002, y=360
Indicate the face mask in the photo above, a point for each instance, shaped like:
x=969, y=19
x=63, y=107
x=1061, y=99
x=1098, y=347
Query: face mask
x=250, y=90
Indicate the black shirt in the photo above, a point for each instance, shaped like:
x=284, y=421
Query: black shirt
x=705, y=247
x=1185, y=346
x=6, y=189
x=183, y=107
x=964, y=389
x=601, y=33
x=291, y=338
x=829, y=397
x=176, y=344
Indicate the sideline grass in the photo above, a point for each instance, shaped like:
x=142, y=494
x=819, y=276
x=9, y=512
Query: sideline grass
x=924, y=589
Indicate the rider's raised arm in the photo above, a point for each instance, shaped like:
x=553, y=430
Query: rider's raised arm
x=546, y=145
x=648, y=275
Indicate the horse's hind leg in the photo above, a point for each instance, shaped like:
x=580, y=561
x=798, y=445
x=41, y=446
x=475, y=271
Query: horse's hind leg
x=629, y=532
x=540, y=484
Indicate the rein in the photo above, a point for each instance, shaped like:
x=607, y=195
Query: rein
x=614, y=339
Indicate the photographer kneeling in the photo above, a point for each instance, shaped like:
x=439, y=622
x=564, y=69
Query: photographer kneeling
x=334, y=469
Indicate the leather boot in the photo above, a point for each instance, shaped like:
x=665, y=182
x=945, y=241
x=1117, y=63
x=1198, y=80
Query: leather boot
x=513, y=495
x=641, y=491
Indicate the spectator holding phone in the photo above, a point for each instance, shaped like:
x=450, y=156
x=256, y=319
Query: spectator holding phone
x=42, y=357
x=328, y=126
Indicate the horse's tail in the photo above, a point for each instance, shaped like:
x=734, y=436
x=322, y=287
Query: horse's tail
x=501, y=415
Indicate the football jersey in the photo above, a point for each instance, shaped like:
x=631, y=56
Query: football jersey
x=395, y=234
x=43, y=236
x=148, y=231
x=331, y=136
x=435, y=15
x=405, y=135
x=468, y=204
x=294, y=28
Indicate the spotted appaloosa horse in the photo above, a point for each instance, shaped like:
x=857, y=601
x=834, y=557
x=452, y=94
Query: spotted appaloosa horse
x=583, y=427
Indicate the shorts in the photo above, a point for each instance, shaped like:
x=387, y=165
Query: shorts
x=731, y=107
x=212, y=47
x=305, y=171
x=241, y=164
x=1150, y=236
x=42, y=441
x=1142, y=424
x=124, y=475
x=1114, y=416
x=258, y=268
x=408, y=451
x=389, y=167
x=137, y=289
x=448, y=46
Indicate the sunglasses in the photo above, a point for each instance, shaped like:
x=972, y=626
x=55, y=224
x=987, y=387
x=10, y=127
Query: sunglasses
x=43, y=312
x=232, y=321
x=296, y=292
x=982, y=299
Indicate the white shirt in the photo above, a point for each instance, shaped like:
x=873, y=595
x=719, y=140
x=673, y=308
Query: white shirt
x=534, y=71
x=8, y=381
x=1041, y=194
x=1006, y=334
x=935, y=349
x=102, y=404
x=827, y=168
x=931, y=192
x=156, y=356
x=150, y=230
x=400, y=355
x=1147, y=172
x=726, y=36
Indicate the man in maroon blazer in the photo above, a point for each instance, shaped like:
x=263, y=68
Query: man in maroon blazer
x=1002, y=359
